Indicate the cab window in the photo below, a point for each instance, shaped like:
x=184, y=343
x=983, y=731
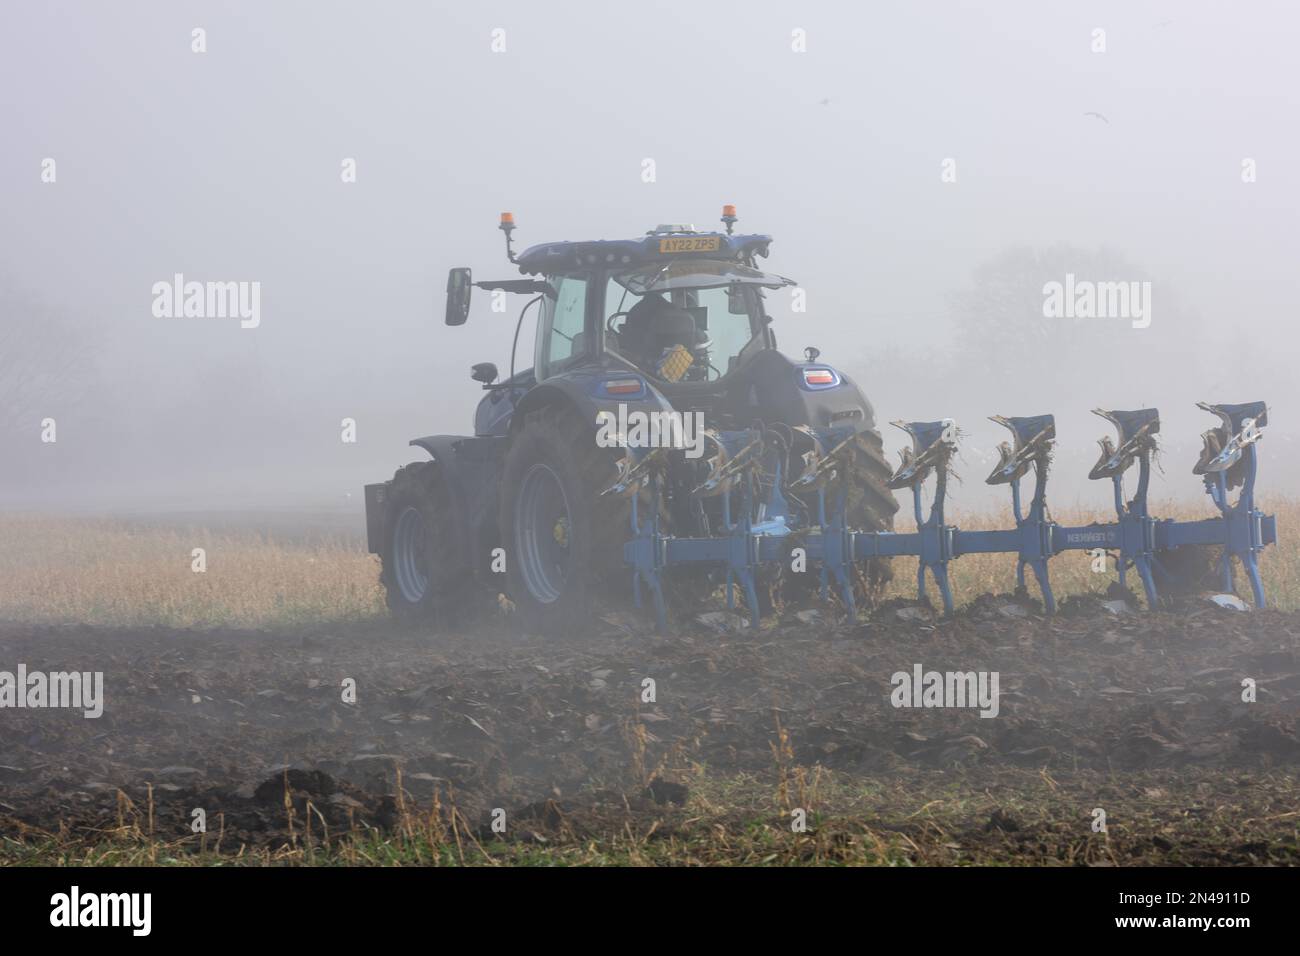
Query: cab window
x=563, y=338
x=724, y=322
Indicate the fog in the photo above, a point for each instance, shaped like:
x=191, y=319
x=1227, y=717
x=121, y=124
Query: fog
x=924, y=168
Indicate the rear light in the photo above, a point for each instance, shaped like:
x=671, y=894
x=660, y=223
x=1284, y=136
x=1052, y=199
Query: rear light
x=623, y=386
x=820, y=377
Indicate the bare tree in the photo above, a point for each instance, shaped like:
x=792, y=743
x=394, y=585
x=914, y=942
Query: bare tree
x=1012, y=336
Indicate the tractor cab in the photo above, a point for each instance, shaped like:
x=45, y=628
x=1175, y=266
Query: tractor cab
x=683, y=307
x=688, y=320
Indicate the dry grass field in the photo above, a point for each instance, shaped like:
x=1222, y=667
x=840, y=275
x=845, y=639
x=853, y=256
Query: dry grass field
x=98, y=571
x=61, y=570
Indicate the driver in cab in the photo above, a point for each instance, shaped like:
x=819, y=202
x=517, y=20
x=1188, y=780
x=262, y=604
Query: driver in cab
x=663, y=339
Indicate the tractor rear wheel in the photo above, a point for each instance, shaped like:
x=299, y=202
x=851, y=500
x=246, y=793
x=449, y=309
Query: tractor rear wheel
x=425, y=576
x=870, y=507
x=563, y=540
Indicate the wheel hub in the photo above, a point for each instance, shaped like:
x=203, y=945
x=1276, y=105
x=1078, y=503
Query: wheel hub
x=542, y=533
x=410, y=555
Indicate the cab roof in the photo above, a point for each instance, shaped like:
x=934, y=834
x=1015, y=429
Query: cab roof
x=655, y=247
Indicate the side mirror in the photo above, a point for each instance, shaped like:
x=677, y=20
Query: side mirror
x=485, y=372
x=459, y=285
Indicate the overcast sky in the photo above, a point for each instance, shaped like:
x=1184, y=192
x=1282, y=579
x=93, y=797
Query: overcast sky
x=225, y=165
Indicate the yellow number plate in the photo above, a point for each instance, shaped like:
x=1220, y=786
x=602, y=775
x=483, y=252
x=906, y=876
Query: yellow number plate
x=689, y=244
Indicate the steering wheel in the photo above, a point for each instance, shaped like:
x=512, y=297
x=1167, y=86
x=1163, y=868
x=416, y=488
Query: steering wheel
x=609, y=323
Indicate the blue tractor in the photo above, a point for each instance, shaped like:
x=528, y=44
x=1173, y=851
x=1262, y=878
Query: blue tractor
x=657, y=404
x=660, y=444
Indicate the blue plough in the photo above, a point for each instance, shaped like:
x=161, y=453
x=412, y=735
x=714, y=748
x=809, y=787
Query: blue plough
x=767, y=514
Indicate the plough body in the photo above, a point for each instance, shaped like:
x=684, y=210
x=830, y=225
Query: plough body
x=767, y=514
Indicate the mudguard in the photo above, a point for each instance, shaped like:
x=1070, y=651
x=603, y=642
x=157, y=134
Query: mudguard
x=583, y=390
x=470, y=468
x=771, y=388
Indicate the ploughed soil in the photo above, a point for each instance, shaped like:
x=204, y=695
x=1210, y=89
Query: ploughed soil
x=1140, y=714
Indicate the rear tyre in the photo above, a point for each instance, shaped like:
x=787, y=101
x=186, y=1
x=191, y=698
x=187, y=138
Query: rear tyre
x=870, y=507
x=425, y=576
x=564, y=542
